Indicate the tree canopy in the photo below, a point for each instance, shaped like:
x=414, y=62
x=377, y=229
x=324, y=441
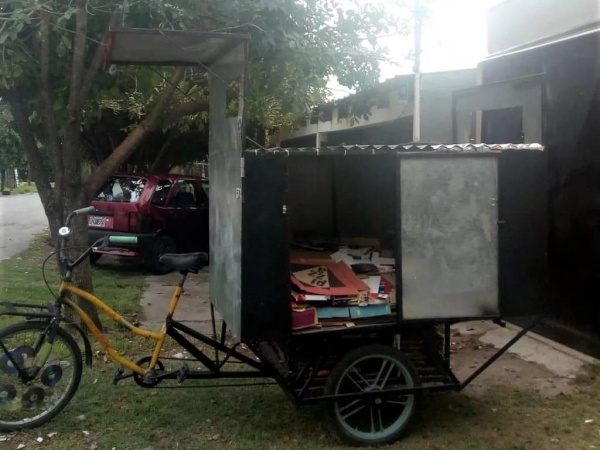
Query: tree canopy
x=53, y=79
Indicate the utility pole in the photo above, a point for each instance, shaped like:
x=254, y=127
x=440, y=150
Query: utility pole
x=417, y=71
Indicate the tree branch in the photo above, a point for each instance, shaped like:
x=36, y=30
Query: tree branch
x=185, y=109
x=96, y=61
x=126, y=148
x=161, y=153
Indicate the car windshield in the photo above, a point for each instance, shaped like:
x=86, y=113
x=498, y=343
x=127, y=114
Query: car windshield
x=121, y=189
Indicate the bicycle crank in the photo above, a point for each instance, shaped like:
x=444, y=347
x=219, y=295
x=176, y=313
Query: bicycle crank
x=150, y=379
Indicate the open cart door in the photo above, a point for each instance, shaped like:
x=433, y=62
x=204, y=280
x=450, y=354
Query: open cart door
x=266, y=310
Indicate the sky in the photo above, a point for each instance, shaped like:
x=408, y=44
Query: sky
x=453, y=37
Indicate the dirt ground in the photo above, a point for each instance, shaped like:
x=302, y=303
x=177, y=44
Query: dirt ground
x=468, y=353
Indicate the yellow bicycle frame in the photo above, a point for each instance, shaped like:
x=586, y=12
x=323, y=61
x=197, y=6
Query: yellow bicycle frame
x=159, y=337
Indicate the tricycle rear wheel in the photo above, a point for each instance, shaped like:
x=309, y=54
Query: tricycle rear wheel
x=379, y=419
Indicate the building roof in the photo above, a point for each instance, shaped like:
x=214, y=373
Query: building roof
x=590, y=29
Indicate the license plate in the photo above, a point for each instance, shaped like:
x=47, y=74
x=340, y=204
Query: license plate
x=100, y=221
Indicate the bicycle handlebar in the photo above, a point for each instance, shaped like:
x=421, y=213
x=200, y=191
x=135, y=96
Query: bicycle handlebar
x=123, y=239
x=65, y=231
x=63, y=237
x=84, y=211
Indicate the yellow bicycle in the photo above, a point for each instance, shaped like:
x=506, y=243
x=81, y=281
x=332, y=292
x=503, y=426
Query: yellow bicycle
x=41, y=363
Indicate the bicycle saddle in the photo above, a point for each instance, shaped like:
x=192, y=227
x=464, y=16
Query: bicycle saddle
x=185, y=261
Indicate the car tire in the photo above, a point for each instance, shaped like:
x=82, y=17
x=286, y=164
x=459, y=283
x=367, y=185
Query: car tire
x=160, y=246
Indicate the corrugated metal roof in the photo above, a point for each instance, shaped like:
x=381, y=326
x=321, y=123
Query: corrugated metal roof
x=409, y=148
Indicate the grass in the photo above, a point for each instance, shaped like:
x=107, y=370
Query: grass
x=21, y=279
x=24, y=188
x=128, y=417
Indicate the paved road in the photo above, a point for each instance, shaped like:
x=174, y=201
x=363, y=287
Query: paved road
x=21, y=217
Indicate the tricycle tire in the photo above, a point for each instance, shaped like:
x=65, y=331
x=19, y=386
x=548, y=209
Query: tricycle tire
x=372, y=368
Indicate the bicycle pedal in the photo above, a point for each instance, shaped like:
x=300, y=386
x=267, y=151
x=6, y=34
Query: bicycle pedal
x=182, y=373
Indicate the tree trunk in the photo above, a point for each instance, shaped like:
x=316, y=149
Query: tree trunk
x=2, y=179
x=69, y=169
x=35, y=160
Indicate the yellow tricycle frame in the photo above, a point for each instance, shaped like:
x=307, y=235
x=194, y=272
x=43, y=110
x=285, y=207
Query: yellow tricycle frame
x=158, y=336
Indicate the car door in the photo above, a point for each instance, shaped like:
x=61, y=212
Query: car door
x=188, y=204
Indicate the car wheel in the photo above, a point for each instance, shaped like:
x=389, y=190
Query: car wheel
x=160, y=246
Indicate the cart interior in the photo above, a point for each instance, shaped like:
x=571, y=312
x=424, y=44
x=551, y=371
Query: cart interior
x=360, y=236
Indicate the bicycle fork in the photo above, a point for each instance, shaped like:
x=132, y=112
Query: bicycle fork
x=42, y=350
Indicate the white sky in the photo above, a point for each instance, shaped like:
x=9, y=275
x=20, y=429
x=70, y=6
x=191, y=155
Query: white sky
x=453, y=37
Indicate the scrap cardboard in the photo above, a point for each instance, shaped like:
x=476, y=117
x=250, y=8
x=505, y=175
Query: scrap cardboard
x=305, y=318
x=326, y=278
x=357, y=312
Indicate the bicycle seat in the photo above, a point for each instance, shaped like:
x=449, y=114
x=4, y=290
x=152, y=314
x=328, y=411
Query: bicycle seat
x=184, y=261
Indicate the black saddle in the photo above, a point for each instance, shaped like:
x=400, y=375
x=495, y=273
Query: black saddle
x=191, y=262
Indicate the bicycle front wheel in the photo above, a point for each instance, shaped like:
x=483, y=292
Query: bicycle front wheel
x=31, y=397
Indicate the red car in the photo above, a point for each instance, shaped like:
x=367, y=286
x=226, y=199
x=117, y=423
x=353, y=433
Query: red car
x=167, y=214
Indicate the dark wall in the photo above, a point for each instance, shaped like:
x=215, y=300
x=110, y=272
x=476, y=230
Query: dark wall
x=311, y=202
x=342, y=196
x=571, y=135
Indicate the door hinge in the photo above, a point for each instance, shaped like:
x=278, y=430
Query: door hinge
x=242, y=167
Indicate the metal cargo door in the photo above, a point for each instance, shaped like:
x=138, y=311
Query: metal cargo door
x=266, y=311
x=449, y=237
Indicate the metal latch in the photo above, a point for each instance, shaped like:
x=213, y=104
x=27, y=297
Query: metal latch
x=238, y=192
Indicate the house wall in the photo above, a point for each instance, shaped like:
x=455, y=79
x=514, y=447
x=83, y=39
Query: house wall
x=514, y=23
x=525, y=93
x=388, y=125
x=570, y=104
x=436, y=103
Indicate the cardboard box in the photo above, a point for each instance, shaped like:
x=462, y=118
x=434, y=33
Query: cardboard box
x=305, y=318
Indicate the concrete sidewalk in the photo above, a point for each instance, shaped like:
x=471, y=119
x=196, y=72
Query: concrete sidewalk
x=193, y=308
x=533, y=363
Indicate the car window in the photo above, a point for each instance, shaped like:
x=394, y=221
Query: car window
x=121, y=189
x=185, y=194
x=161, y=192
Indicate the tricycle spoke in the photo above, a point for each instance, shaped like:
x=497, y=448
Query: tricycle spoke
x=376, y=381
x=360, y=388
x=349, y=405
x=372, y=420
x=381, y=427
x=387, y=376
x=360, y=376
x=398, y=402
x=354, y=411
